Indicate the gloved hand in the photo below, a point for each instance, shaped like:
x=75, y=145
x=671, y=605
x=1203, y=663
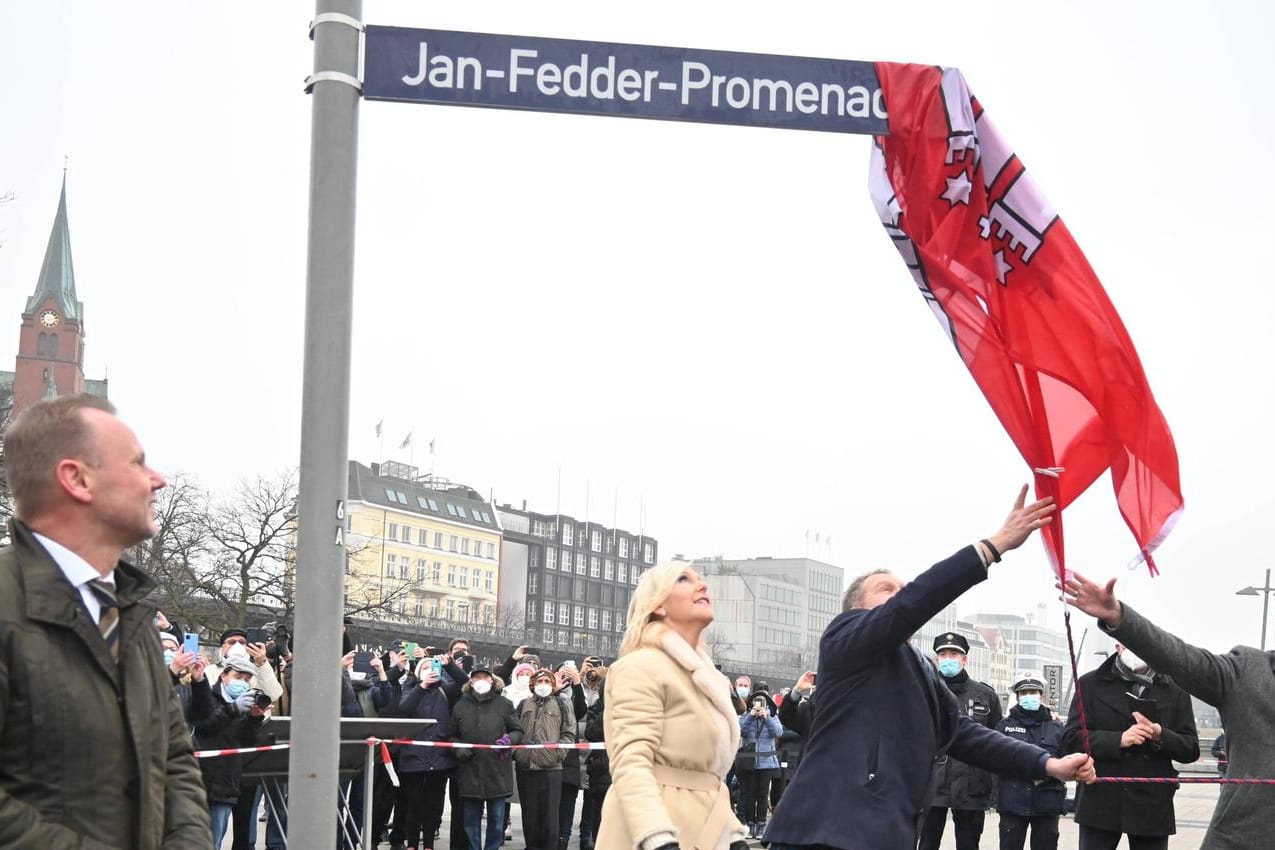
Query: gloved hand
x=245, y=703
x=503, y=740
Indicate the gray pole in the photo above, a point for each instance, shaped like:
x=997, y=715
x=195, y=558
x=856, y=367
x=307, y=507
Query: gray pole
x=1266, y=604
x=325, y=413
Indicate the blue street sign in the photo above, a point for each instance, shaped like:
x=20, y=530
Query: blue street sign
x=633, y=80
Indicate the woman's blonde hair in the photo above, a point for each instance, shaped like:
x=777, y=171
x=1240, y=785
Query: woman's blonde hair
x=652, y=590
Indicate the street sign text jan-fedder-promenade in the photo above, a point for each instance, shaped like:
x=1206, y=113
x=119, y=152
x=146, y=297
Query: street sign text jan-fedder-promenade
x=633, y=80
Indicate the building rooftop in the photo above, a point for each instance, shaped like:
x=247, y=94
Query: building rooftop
x=426, y=496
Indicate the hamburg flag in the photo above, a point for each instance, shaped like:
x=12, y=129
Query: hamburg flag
x=1023, y=308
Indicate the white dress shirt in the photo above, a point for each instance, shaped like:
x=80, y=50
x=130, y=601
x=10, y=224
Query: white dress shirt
x=78, y=572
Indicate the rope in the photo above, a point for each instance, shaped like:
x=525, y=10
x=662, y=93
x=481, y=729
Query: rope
x=1075, y=682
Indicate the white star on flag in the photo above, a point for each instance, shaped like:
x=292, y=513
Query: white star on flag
x=958, y=189
x=1003, y=267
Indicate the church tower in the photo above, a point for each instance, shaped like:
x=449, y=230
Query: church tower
x=50, y=358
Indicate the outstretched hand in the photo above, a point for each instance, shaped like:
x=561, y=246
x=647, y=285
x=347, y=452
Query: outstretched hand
x=1022, y=521
x=1095, y=600
x=1077, y=766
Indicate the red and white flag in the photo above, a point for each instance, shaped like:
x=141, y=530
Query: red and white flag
x=1025, y=311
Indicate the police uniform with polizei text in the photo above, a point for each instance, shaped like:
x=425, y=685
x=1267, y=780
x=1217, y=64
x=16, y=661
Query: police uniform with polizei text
x=966, y=790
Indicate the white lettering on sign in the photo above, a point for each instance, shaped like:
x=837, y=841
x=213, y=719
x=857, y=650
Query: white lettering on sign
x=601, y=79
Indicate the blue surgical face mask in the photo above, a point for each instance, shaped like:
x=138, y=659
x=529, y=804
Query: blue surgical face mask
x=235, y=688
x=169, y=655
x=949, y=667
x=743, y=692
x=1029, y=703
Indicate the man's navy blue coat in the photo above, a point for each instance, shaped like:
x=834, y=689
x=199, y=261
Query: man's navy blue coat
x=880, y=720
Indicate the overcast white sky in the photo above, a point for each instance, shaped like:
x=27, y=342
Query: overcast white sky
x=708, y=319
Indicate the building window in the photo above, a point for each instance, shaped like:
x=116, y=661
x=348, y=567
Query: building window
x=593, y=618
x=624, y=547
x=464, y=545
x=533, y=583
x=564, y=613
x=634, y=574
x=422, y=537
x=537, y=528
x=579, y=617
x=580, y=563
x=551, y=559
x=462, y=611
x=579, y=590
x=606, y=620
x=451, y=575
x=452, y=542
x=548, y=636
x=419, y=606
x=491, y=551
x=389, y=494
x=460, y=509
x=489, y=580
x=548, y=611
x=433, y=609
x=608, y=570
x=595, y=541
x=391, y=565
x=551, y=585
x=531, y=611
x=403, y=566
x=393, y=532
x=595, y=566
x=648, y=553
x=568, y=535
x=621, y=574
x=420, y=570
x=464, y=576
x=619, y=621
x=438, y=572
x=451, y=609
x=563, y=637
x=438, y=540
x=535, y=556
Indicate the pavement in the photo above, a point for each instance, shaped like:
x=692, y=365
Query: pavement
x=1193, y=805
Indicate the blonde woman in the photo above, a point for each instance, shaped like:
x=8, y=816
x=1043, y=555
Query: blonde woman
x=671, y=731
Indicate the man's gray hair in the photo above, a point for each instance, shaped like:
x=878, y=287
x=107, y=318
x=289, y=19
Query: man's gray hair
x=854, y=593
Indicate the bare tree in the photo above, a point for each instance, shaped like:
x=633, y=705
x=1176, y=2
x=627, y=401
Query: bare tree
x=176, y=555
x=719, y=646
x=6, y=412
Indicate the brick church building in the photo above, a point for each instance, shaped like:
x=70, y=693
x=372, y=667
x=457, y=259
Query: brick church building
x=50, y=359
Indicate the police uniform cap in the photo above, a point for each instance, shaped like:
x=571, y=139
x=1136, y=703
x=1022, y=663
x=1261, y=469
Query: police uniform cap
x=952, y=640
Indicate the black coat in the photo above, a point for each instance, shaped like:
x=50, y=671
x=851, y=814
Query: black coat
x=880, y=720
x=959, y=785
x=224, y=729
x=598, y=765
x=427, y=704
x=1144, y=809
x=482, y=720
x=574, y=759
x=1029, y=799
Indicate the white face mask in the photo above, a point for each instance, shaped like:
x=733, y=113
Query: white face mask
x=480, y=687
x=1131, y=660
x=543, y=690
x=522, y=681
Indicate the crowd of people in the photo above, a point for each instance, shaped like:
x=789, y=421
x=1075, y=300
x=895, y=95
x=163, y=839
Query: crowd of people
x=102, y=700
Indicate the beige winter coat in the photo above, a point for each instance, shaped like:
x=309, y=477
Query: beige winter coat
x=671, y=734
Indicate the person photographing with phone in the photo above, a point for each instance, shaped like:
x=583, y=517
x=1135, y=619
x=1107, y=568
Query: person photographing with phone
x=1139, y=723
x=234, y=722
x=759, y=730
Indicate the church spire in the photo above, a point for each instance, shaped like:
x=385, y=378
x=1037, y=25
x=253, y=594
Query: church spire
x=57, y=275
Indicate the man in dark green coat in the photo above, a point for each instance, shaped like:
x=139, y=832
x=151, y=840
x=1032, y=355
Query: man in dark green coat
x=484, y=716
x=94, y=751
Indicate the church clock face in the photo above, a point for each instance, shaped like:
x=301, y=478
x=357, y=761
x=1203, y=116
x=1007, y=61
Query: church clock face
x=49, y=319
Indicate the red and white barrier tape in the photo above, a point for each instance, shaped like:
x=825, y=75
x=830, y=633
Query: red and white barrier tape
x=208, y=754
x=385, y=750
x=460, y=746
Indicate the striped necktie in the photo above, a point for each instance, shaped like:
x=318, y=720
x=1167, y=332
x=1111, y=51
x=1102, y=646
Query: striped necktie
x=109, y=620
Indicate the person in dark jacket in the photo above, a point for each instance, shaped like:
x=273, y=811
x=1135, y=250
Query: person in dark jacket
x=1035, y=805
x=598, y=764
x=235, y=722
x=574, y=778
x=483, y=716
x=1218, y=751
x=1129, y=742
x=964, y=789
x=424, y=771
x=883, y=717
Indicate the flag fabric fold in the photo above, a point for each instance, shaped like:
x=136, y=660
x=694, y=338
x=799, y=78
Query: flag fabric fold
x=1026, y=313
x=407, y=441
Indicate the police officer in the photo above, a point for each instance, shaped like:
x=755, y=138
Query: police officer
x=965, y=790
x=1031, y=804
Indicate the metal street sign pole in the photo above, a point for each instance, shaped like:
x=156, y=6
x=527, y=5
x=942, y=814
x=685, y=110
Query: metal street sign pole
x=325, y=411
